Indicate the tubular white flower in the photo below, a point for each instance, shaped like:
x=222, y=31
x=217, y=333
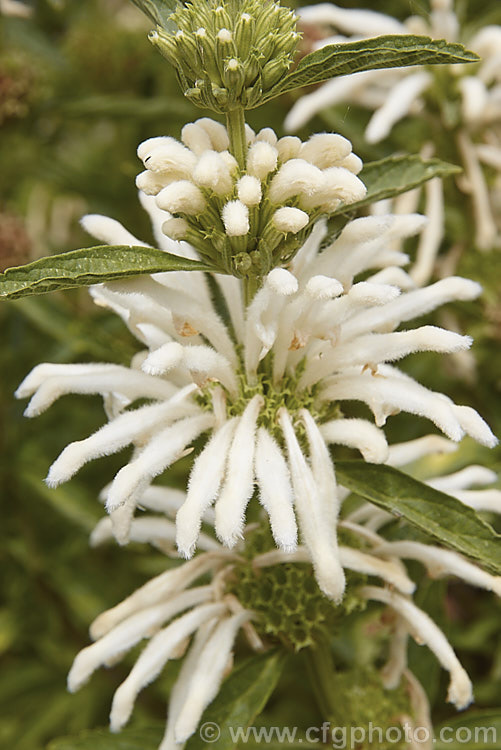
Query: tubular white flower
x=288, y=219
x=325, y=149
x=109, y=231
x=166, y=155
x=359, y=434
x=156, y=590
x=295, y=177
x=239, y=482
x=129, y=632
x=441, y=562
x=114, y=436
x=212, y=172
x=275, y=490
x=312, y=335
x=424, y=630
x=208, y=675
x=397, y=105
x=261, y=159
x=181, y=196
x=360, y=22
x=153, y=658
x=161, y=451
x=204, y=483
x=235, y=218
x=249, y=190
x=316, y=508
x=180, y=689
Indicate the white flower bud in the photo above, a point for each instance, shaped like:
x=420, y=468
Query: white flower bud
x=181, y=196
x=152, y=183
x=339, y=186
x=249, y=190
x=196, y=138
x=229, y=160
x=262, y=159
x=295, y=177
x=324, y=287
x=352, y=162
x=216, y=132
x=250, y=135
x=225, y=36
x=235, y=218
x=325, y=149
x=267, y=135
x=212, y=172
x=167, y=156
x=288, y=219
x=288, y=147
x=146, y=147
x=282, y=281
x=176, y=229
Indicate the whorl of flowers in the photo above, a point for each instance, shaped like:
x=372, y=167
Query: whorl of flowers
x=247, y=221
x=228, y=54
x=266, y=385
x=469, y=102
x=171, y=608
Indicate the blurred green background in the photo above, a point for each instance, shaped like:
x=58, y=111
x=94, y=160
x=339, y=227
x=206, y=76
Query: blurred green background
x=80, y=87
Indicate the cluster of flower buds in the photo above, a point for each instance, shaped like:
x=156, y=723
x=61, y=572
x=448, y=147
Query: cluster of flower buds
x=247, y=222
x=228, y=53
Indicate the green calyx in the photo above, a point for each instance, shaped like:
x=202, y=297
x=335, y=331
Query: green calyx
x=286, y=394
x=362, y=702
x=228, y=54
x=290, y=608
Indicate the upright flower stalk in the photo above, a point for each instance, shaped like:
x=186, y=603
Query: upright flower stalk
x=253, y=370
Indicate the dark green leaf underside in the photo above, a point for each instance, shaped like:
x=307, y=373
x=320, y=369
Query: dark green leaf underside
x=394, y=175
x=483, y=727
x=443, y=517
x=242, y=697
x=392, y=51
x=89, y=265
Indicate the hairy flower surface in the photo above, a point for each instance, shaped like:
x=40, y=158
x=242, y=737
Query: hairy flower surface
x=276, y=600
x=251, y=220
x=265, y=384
x=471, y=97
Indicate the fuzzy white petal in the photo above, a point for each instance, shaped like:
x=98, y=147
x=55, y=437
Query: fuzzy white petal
x=425, y=630
x=275, y=490
x=239, y=482
x=204, y=483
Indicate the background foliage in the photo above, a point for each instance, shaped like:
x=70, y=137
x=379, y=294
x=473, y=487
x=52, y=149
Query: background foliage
x=80, y=87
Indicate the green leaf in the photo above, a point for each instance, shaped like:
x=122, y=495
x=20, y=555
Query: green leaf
x=147, y=738
x=477, y=730
x=437, y=514
x=394, y=175
x=89, y=265
x=158, y=11
x=392, y=51
x=242, y=697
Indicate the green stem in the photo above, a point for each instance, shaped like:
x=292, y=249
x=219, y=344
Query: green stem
x=251, y=286
x=321, y=672
x=235, y=124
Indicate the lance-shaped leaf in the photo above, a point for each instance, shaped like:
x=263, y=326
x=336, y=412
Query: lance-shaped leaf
x=392, y=51
x=446, y=519
x=242, y=697
x=89, y=265
x=477, y=730
x=158, y=11
x=394, y=175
